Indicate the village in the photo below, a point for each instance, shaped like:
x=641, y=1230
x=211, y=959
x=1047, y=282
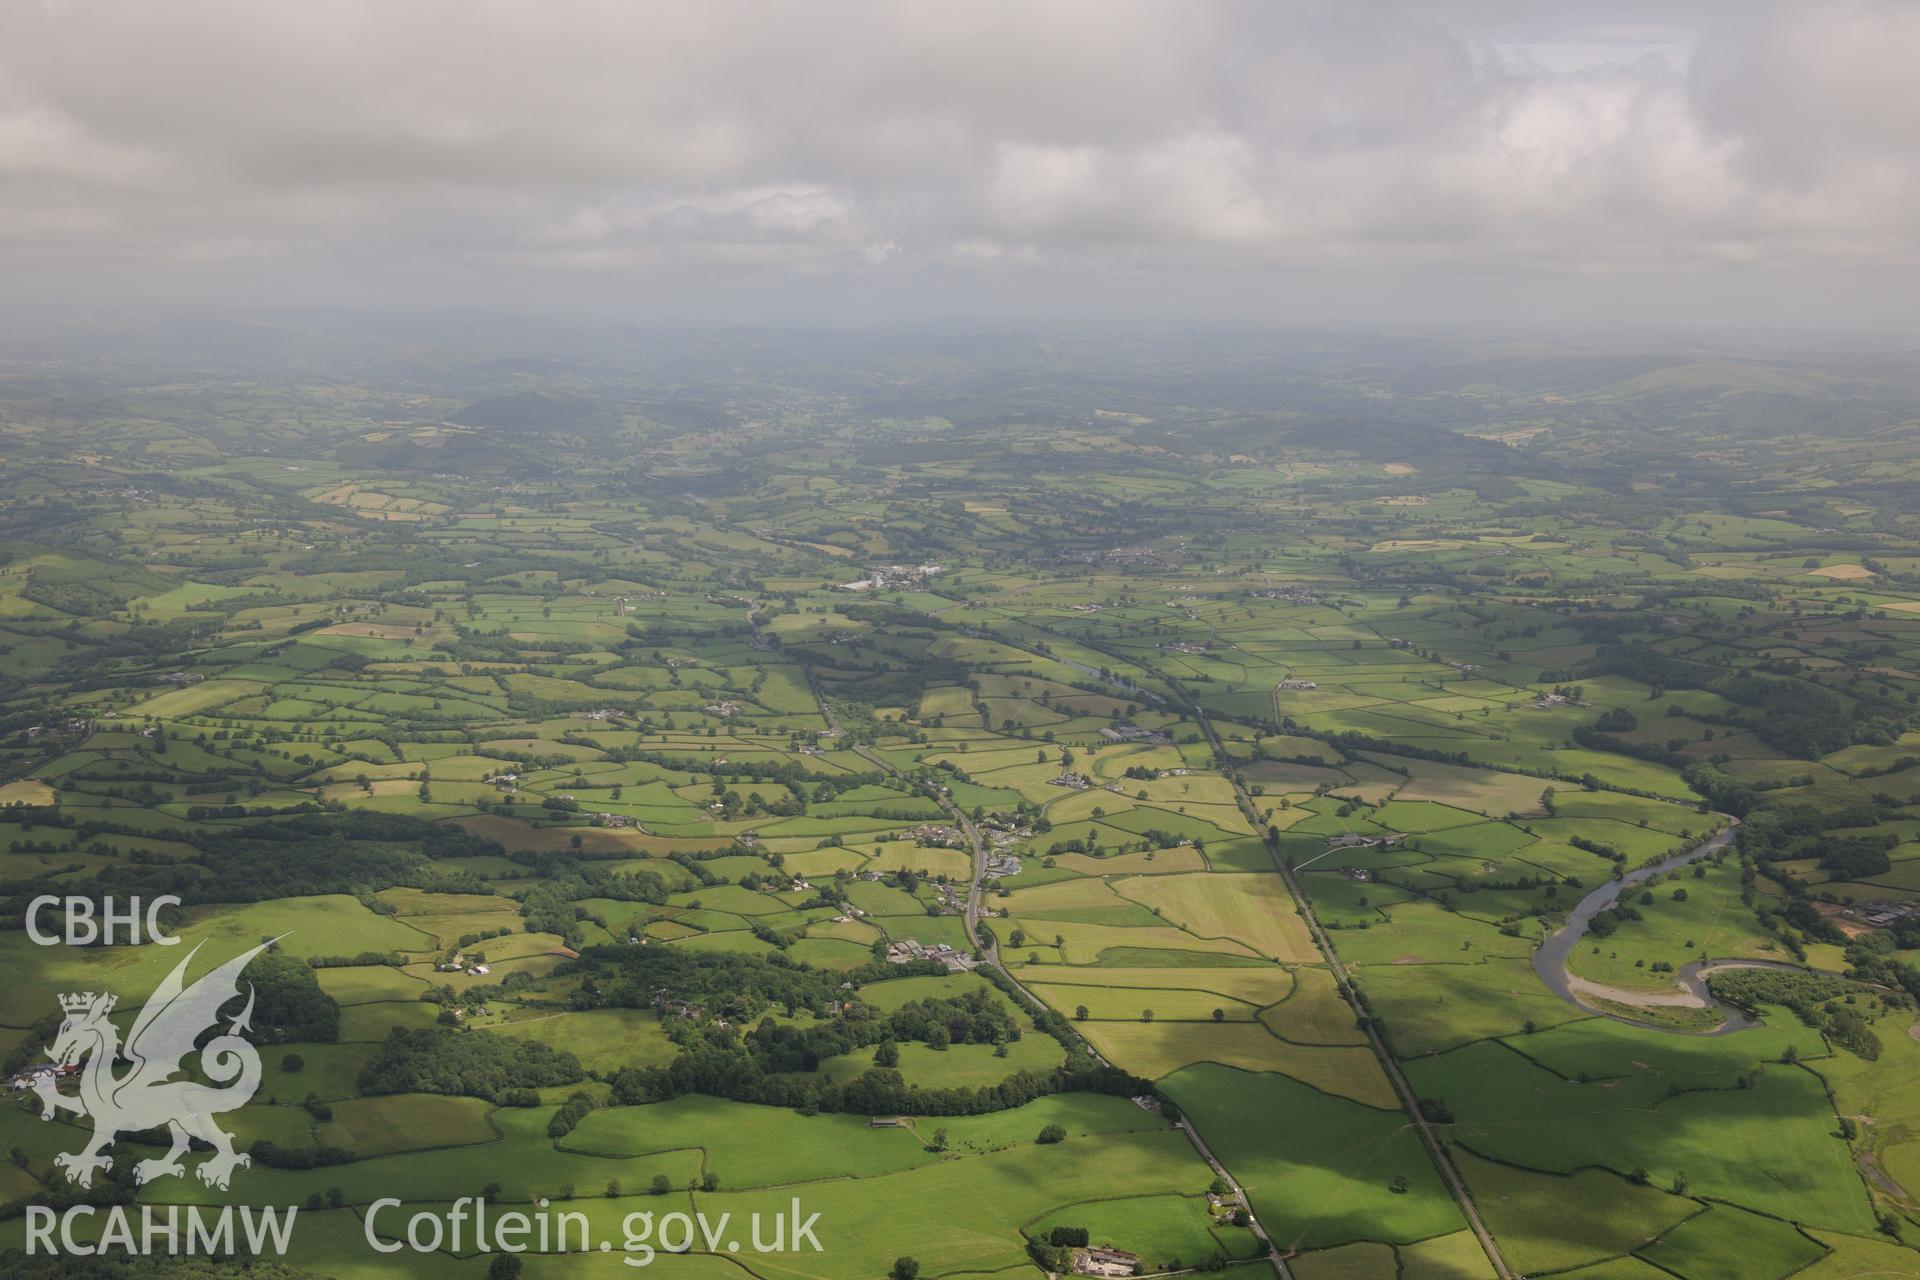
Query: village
x=893, y=577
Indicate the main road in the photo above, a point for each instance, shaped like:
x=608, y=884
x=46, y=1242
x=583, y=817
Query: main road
x=988, y=948
x=1408, y=1100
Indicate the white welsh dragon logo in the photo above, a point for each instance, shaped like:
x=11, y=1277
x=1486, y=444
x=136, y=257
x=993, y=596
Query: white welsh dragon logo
x=149, y=1095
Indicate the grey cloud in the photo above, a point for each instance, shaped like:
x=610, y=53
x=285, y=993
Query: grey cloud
x=436, y=145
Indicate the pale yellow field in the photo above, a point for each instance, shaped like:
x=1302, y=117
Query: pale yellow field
x=955, y=864
x=1075, y=806
x=1418, y=544
x=30, y=791
x=1124, y=1004
x=946, y=700
x=1251, y=907
x=1192, y=789
x=1154, y=1049
x=1262, y=986
x=193, y=698
x=1159, y=862
x=1084, y=942
x=1482, y=790
x=852, y=931
x=1063, y=895
x=1314, y=1013
x=370, y=630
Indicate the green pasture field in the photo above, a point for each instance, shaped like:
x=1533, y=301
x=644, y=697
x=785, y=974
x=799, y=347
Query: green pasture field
x=960, y=1066
x=982, y=1200
x=1549, y=1223
x=1725, y=1243
x=1158, y=1049
x=1318, y=1168
x=1166, y=1231
x=1787, y=1163
x=1429, y=1007
x=1252, y=908
x=604, y=1040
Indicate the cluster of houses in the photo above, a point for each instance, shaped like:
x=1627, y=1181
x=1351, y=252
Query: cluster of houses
x=457, y=963
x=1001, y=833
x=1070, y=780
x=1292, y=595
x=1354, y=840
x=183, y=677
x=1138, y=553
x=726, y=708
x=892, y=576
x=1181, y=646
x=1548, y=700
x=79, y=724
x=1002, y=866
x=1883, y=914
x=682, y=1009
x=937, y=835
x=1294, y=682
x=1225, y=1205
x=909, y=949
x=601, y=713
x=1102, y=1261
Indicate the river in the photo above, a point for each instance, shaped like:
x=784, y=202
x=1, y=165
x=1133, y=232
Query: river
x=1550, y=959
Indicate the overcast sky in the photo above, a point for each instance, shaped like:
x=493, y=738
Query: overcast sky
x=1357, y=161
